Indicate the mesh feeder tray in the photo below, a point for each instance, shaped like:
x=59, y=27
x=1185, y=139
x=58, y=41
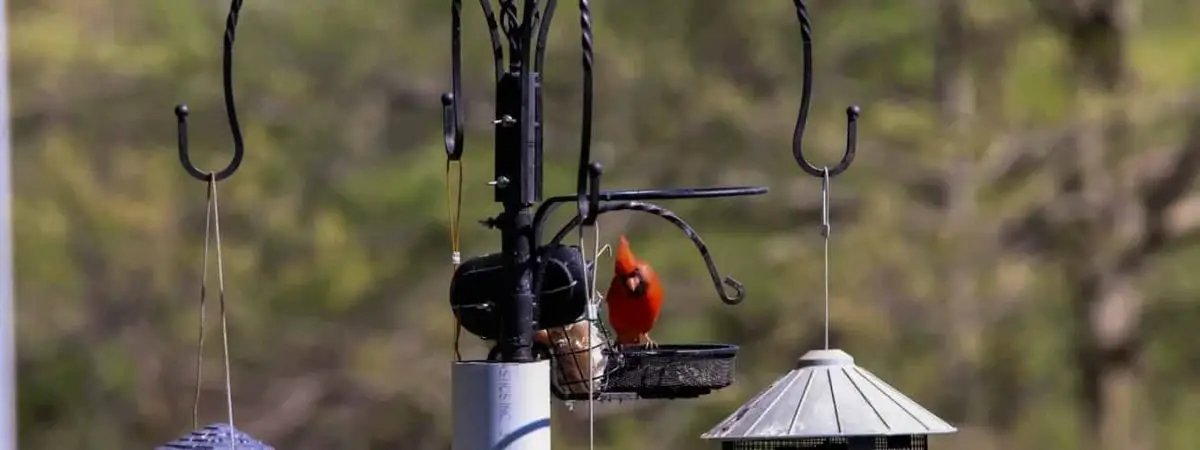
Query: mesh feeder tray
x=670, y=371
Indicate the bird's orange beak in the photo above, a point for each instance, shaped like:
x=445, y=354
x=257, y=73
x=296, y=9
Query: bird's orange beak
x=632, y=283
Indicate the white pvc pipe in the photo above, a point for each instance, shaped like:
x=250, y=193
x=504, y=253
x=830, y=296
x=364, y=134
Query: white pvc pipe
x=8, y=351
x=501, y=406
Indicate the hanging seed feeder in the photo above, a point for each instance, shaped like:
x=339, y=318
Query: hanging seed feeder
x=827, y=401
x=218, y=436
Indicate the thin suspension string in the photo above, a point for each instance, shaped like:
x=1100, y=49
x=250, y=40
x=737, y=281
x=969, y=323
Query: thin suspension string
x=203, y=297
x=826, y=230
x=592, y=316
x=216, y=212
x=454, y=212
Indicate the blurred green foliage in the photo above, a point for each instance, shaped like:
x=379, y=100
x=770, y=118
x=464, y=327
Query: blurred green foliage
x=335, y=229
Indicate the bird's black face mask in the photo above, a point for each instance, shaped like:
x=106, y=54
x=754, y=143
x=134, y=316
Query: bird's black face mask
x=636, y=283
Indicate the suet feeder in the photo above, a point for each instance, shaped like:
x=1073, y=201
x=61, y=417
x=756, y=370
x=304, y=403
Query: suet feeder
x=218, y=436
x=827, y=401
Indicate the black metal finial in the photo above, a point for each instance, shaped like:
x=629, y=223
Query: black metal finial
x=852, y=112
x=181, y=111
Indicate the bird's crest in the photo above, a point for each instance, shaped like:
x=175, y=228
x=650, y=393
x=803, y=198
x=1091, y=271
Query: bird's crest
x=626, y=261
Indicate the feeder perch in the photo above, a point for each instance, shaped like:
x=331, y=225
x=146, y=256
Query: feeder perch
x=829, y=402
x=218, y=436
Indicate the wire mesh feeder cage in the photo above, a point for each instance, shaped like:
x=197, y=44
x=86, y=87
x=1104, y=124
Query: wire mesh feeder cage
x=579, y=357
x=218, y=436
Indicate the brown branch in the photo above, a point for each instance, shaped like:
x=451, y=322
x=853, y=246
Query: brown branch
x=1171, y=216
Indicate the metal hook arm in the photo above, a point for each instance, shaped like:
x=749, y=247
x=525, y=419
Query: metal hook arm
x=181, y=111
x=453, y=115
x=589, y=202
x=494, y=35
x=852, y=112
x=585, y=131
x=539, y=62
x=719, y=283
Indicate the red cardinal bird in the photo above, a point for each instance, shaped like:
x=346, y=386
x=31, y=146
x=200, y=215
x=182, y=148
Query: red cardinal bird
x=634, y=298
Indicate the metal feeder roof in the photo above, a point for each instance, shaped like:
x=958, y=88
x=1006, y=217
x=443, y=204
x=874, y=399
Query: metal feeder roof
x=827, y=395
x=218, y=436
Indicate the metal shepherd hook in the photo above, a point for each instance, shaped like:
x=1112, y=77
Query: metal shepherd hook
x=805, y=98
x=181, y=111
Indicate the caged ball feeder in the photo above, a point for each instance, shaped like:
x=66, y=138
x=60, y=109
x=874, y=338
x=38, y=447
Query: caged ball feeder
x=532, y=299
x=218, y=436
x=826, y=401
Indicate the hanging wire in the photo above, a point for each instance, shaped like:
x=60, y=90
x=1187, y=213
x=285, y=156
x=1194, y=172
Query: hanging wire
x=592, y=315
x=826, y=230
x=221, y=296
x=454, y=211
x=203, y=296
x=212, y=238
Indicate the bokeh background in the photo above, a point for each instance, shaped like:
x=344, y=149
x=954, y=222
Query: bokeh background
x=1014, y=248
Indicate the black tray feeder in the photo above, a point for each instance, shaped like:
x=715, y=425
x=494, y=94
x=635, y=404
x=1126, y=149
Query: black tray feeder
x=533, y=285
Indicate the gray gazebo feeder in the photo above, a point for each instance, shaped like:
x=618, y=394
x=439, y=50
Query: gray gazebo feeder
x=218, y=436
x=829, y=402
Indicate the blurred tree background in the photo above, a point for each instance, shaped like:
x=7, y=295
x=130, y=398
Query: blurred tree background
x=1012, y=248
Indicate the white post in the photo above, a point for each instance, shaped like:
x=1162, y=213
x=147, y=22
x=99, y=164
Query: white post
x=8, y=351
x=501, y=406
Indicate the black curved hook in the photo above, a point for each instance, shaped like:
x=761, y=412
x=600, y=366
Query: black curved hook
x=585, y=126
x=589, y=201
x=719, y=283
x=805, y=98
x=452, y=113
x=181, y=111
